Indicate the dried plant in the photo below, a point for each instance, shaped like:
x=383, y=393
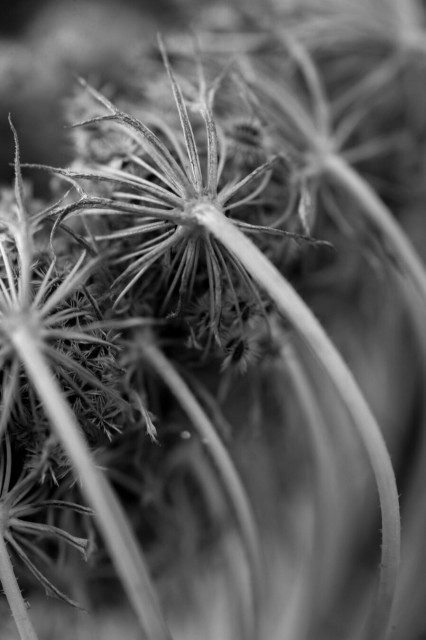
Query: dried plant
x=162, y=323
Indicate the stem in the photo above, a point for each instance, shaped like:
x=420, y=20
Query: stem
x=325, y=481
x=408, y=20
x=381, y=218
x=120, y=541
x=224, y=464
x=314, y=337
x=13, y=595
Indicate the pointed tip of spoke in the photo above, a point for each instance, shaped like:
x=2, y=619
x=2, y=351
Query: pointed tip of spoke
x=195, y=175
x=19, y=183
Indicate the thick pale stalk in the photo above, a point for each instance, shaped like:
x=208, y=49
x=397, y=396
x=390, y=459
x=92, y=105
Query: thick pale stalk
x=381, y=218
x=314, y=337
x=113, y=523
x=13, y=594
x=223, y=462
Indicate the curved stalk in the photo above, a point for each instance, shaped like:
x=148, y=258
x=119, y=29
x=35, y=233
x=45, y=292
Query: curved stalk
x=314, y=337
x=323, y=545
x=13, y=595
x=232, y=483
x=120, y=541
x=382, y=219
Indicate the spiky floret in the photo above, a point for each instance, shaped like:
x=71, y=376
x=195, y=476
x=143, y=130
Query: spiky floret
x=63, y=316
x=83, y=354
x=154, y=202
x=26, y=506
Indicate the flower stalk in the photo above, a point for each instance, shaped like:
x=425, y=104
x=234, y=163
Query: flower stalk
x=113, y=523
x=315, y=339
x=231, y=481
x=376, y=212
x=13, y=593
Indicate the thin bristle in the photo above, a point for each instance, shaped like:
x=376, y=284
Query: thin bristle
x=191, y=147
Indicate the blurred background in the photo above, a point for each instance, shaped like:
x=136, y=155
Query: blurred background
x=44, y=44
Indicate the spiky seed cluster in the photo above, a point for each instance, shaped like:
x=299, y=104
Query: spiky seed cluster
x=160, y=253
x=55, y=303
x=26, y=522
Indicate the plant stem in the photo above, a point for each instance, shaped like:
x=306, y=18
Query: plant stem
x=13, y=594
x=325, y=487
x=408, y=20
x=232, y=483
x=113, y=523
x=314, y=337
x=381, y=218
